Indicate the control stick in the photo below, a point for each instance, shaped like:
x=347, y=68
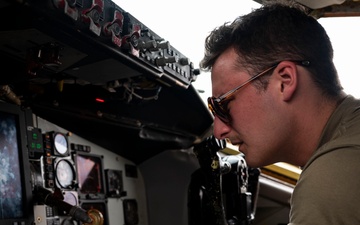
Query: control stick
x=56, y=198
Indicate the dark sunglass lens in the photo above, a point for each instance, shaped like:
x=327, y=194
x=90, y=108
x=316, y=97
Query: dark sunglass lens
x=217, y=110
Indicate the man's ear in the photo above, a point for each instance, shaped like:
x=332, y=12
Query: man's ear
x=288, y=79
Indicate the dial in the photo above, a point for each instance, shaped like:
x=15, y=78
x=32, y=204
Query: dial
x=64, y=174
x=70, y=198
x=60, y=143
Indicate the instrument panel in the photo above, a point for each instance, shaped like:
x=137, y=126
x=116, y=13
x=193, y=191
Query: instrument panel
x=90, y=62
x=92, y=41
x=80, y=174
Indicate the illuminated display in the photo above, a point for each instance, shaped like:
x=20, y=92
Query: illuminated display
x=15, y=186
x=11, y=195
x=90, y=175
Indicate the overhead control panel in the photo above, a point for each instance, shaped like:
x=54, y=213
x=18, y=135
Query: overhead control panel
x=92, y=41
x=90, y=62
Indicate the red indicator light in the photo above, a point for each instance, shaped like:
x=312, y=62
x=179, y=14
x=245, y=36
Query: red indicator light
x=99, y=100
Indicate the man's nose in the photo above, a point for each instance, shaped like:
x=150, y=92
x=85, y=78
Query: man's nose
x=220, y=129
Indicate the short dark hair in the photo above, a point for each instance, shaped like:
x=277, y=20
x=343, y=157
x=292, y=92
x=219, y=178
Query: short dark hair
x=272, y=33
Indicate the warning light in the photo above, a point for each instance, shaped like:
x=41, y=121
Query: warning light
x=99, y=100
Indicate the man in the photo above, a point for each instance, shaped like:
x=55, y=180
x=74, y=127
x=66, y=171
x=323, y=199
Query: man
x=276, y=94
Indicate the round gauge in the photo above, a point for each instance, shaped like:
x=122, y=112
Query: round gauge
x=70, y=198
x=65, y=174
x=60, y=143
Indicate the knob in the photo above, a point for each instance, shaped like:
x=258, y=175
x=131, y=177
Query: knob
x=184, y=61
x=94, y=15
x=162, y=61
x=163, y=45
x=196, y=71
x=148, y=45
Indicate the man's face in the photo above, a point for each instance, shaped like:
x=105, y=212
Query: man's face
x=258, y=125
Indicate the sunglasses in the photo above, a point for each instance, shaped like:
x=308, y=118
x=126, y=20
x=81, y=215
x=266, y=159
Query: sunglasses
x=218, y=106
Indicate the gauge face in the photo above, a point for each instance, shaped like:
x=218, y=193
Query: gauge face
x=60, y=143
x=64, y=173
x=70, y=198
